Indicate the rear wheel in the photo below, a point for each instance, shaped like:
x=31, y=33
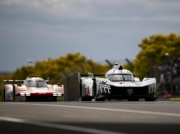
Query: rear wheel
x=14, y=94
x=80, y=88
x=4, y=95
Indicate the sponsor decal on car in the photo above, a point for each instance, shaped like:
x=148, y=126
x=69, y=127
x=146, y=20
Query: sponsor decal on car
x=130, y=91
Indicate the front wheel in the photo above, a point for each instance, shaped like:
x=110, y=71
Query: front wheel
x=58, y=98
x=133, y=99
x=86, y=98
x=149, y=99
x=100, y=97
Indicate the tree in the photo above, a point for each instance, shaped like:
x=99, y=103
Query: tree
x=152, y=53
x=54, y=68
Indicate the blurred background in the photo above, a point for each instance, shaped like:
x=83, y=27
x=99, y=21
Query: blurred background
x=57, y=39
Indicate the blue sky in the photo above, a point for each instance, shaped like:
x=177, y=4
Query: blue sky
x=98, y=29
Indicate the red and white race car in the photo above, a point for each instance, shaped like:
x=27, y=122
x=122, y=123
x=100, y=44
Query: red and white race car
x=33, y=88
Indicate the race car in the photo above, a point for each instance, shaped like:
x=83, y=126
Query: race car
x=33, y=88
x=117, y=83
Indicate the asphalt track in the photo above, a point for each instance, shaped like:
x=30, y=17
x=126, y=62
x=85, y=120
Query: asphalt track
x=115, y=117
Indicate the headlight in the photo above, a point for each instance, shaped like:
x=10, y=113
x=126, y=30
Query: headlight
x=54, y=94
x=57, y=94
x=28, y=94
x=22, y=94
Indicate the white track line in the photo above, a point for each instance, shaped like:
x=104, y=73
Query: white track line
x=103, y=109
x=58, y=126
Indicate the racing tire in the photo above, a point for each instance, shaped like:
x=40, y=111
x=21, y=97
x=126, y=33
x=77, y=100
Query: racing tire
x=4, y=95
x=149, y=99
x=80, y=88
x=100, y=99
x=133, y=99
x=53, y=99
x=59, y=98
x=86, y=99
x=14, y=95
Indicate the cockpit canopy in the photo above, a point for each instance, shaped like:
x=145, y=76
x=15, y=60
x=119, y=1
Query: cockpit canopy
x=34, y=81
x=37, y=83
x=120, y=77
x=117, y=73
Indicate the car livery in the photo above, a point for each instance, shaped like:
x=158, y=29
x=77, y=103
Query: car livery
x=118, y=83
x=33, y=88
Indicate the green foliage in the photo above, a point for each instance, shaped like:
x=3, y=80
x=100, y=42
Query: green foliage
x=55, y=69
x=152, y=53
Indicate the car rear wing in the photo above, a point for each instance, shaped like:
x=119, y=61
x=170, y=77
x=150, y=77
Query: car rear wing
x=18, y=81
x=11, y=81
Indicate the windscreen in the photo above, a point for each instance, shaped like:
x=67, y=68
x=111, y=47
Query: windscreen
x=121, y=77
x=40, y=83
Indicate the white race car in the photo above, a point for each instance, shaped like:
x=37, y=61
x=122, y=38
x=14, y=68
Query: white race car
x=34, y=88
x=118, y=83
